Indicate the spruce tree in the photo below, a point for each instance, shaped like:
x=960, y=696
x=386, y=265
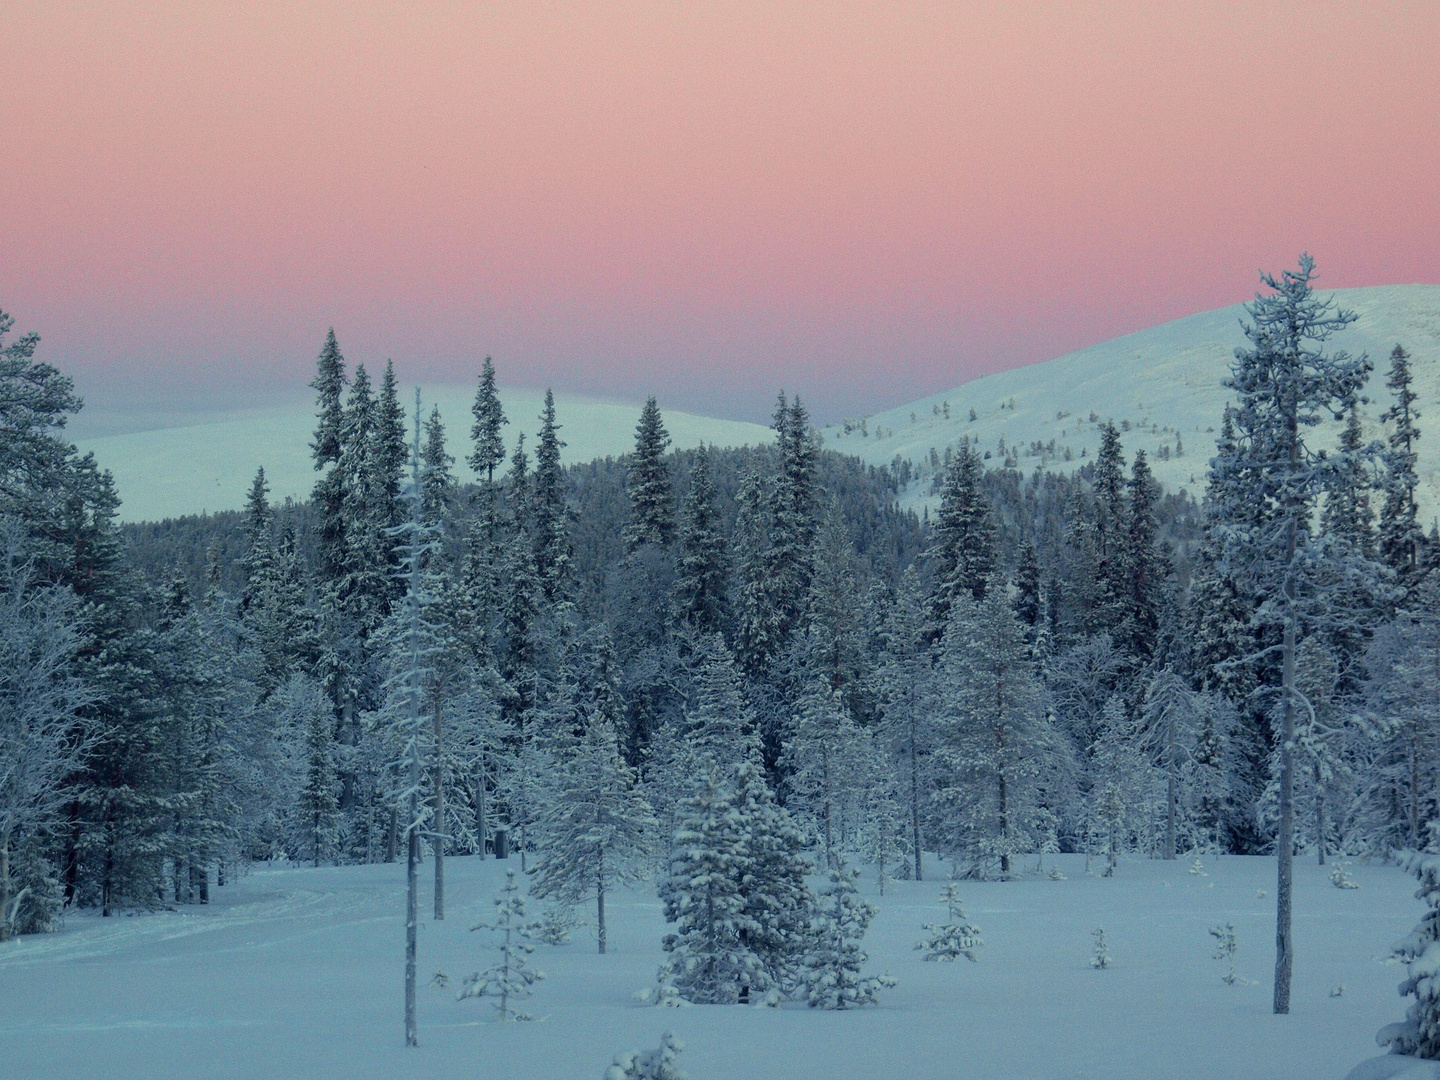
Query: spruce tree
x=962, y=550
x=647, y=482
x=832, y=966
x=777, y=902
x=489, y=449
x=548, y=526
x=1401, y=539
x=713, y=961
x=701, y=584
x=329, y=496
x=512, y=978
x=795, y=520
x=1145, y=567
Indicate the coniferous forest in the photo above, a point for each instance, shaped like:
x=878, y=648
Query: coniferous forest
x=743, y=676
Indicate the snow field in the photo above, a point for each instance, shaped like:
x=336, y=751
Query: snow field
x=297, y=972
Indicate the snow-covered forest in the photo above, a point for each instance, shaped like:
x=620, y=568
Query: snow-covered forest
x=743, y=681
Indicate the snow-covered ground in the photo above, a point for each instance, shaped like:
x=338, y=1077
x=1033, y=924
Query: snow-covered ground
x=297, y=973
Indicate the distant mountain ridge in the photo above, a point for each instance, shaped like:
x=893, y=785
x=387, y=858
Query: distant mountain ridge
x=1162, y=386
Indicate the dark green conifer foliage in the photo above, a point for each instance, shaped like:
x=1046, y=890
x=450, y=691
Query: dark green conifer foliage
x=1028, y=606
x=1145, y=567
x=489, y=449
x=329, y=385
x=701, y=599
x=548, y=525
x=1402, y=541
x=962, y=550
x=437, y=482
x=652, y=503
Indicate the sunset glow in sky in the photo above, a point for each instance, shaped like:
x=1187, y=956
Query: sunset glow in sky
x=864, y=202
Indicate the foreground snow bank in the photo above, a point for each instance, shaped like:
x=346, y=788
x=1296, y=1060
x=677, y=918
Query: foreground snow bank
x=1395, y=1067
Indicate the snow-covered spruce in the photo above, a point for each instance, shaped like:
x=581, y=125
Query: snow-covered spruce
x=1225, y=949
x=512, y=978
x=664, y=993
x=714, y=961
x=1100, y=949
x=658, y=1064
x=954, y=938
x=832, y=966
x=1419, y=1033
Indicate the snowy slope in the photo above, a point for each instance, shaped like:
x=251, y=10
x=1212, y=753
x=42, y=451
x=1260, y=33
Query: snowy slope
x=208, y=466
x=1164, y=383
x=297, y=973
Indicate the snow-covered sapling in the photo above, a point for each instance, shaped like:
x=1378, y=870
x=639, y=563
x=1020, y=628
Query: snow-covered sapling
x=1341, y=879
x=656, y=1064
x=1225, y=950
x=664, y=993
x=954, y=938
x=512, y=977
x=832, y=966
x=1055, y=874
x=1100, y=954
x=1198, y=867
x=1419, y=1033
x=557, y=922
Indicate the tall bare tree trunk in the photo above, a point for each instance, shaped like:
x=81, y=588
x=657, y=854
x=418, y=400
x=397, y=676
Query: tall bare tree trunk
x=600, y=901
x=1285, y=842
x=5, y=888
x=437, y=834
x=915, y=796
x=1320, y=814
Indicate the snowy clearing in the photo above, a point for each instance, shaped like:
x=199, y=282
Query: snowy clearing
x=296, y=972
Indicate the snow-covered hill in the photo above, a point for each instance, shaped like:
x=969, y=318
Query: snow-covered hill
x=208, y=466
x=1162, y=385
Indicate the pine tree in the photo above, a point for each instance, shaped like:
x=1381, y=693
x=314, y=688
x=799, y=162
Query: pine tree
x=906, y=721
x=832, y=966
x=719, y=725
x=954, y=938
x=437, y=483
x=761, y=631
x=829, y=758
x=596, y=826
x=1401, y=539
x=1145, y=568
x=1284, y=381
x=652, y=505
x=329, y=497
x=776, y=901
x=512, y=978
x=489, y=419
x=714, y=964
x=44, y=735
x=1028, y=604
x=548, y=527
x=317, y=802
x=795, y=521
x=996, y=735
x=701, y=584
x=963, y=549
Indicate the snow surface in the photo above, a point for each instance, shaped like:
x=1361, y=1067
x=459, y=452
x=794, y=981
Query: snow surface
x=298, y=973
x=207, y=465
x=1163, y=381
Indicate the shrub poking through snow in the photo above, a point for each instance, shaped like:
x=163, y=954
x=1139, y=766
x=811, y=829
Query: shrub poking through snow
x=1419, y=1033
x=1100, y=954
x=650, y=1064
x=832, y=966
x=954, y=938
x=512, y=977
x=664, y=993
x=1341, y=879
x=1056, y=875
x=1198, y=867
x=1225, y=949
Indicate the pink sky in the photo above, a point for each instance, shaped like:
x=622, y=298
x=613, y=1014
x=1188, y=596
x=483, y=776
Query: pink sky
x=707, y=201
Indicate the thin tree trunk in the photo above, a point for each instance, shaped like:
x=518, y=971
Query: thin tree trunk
x=915, y=795
x=1320, y=814
x=437, y=834
x=1414, y=790
x=482, y=807
x=1285, y=842
x=1170, y=817
x=412, y=888
x=5, y=889
x=600, y=902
